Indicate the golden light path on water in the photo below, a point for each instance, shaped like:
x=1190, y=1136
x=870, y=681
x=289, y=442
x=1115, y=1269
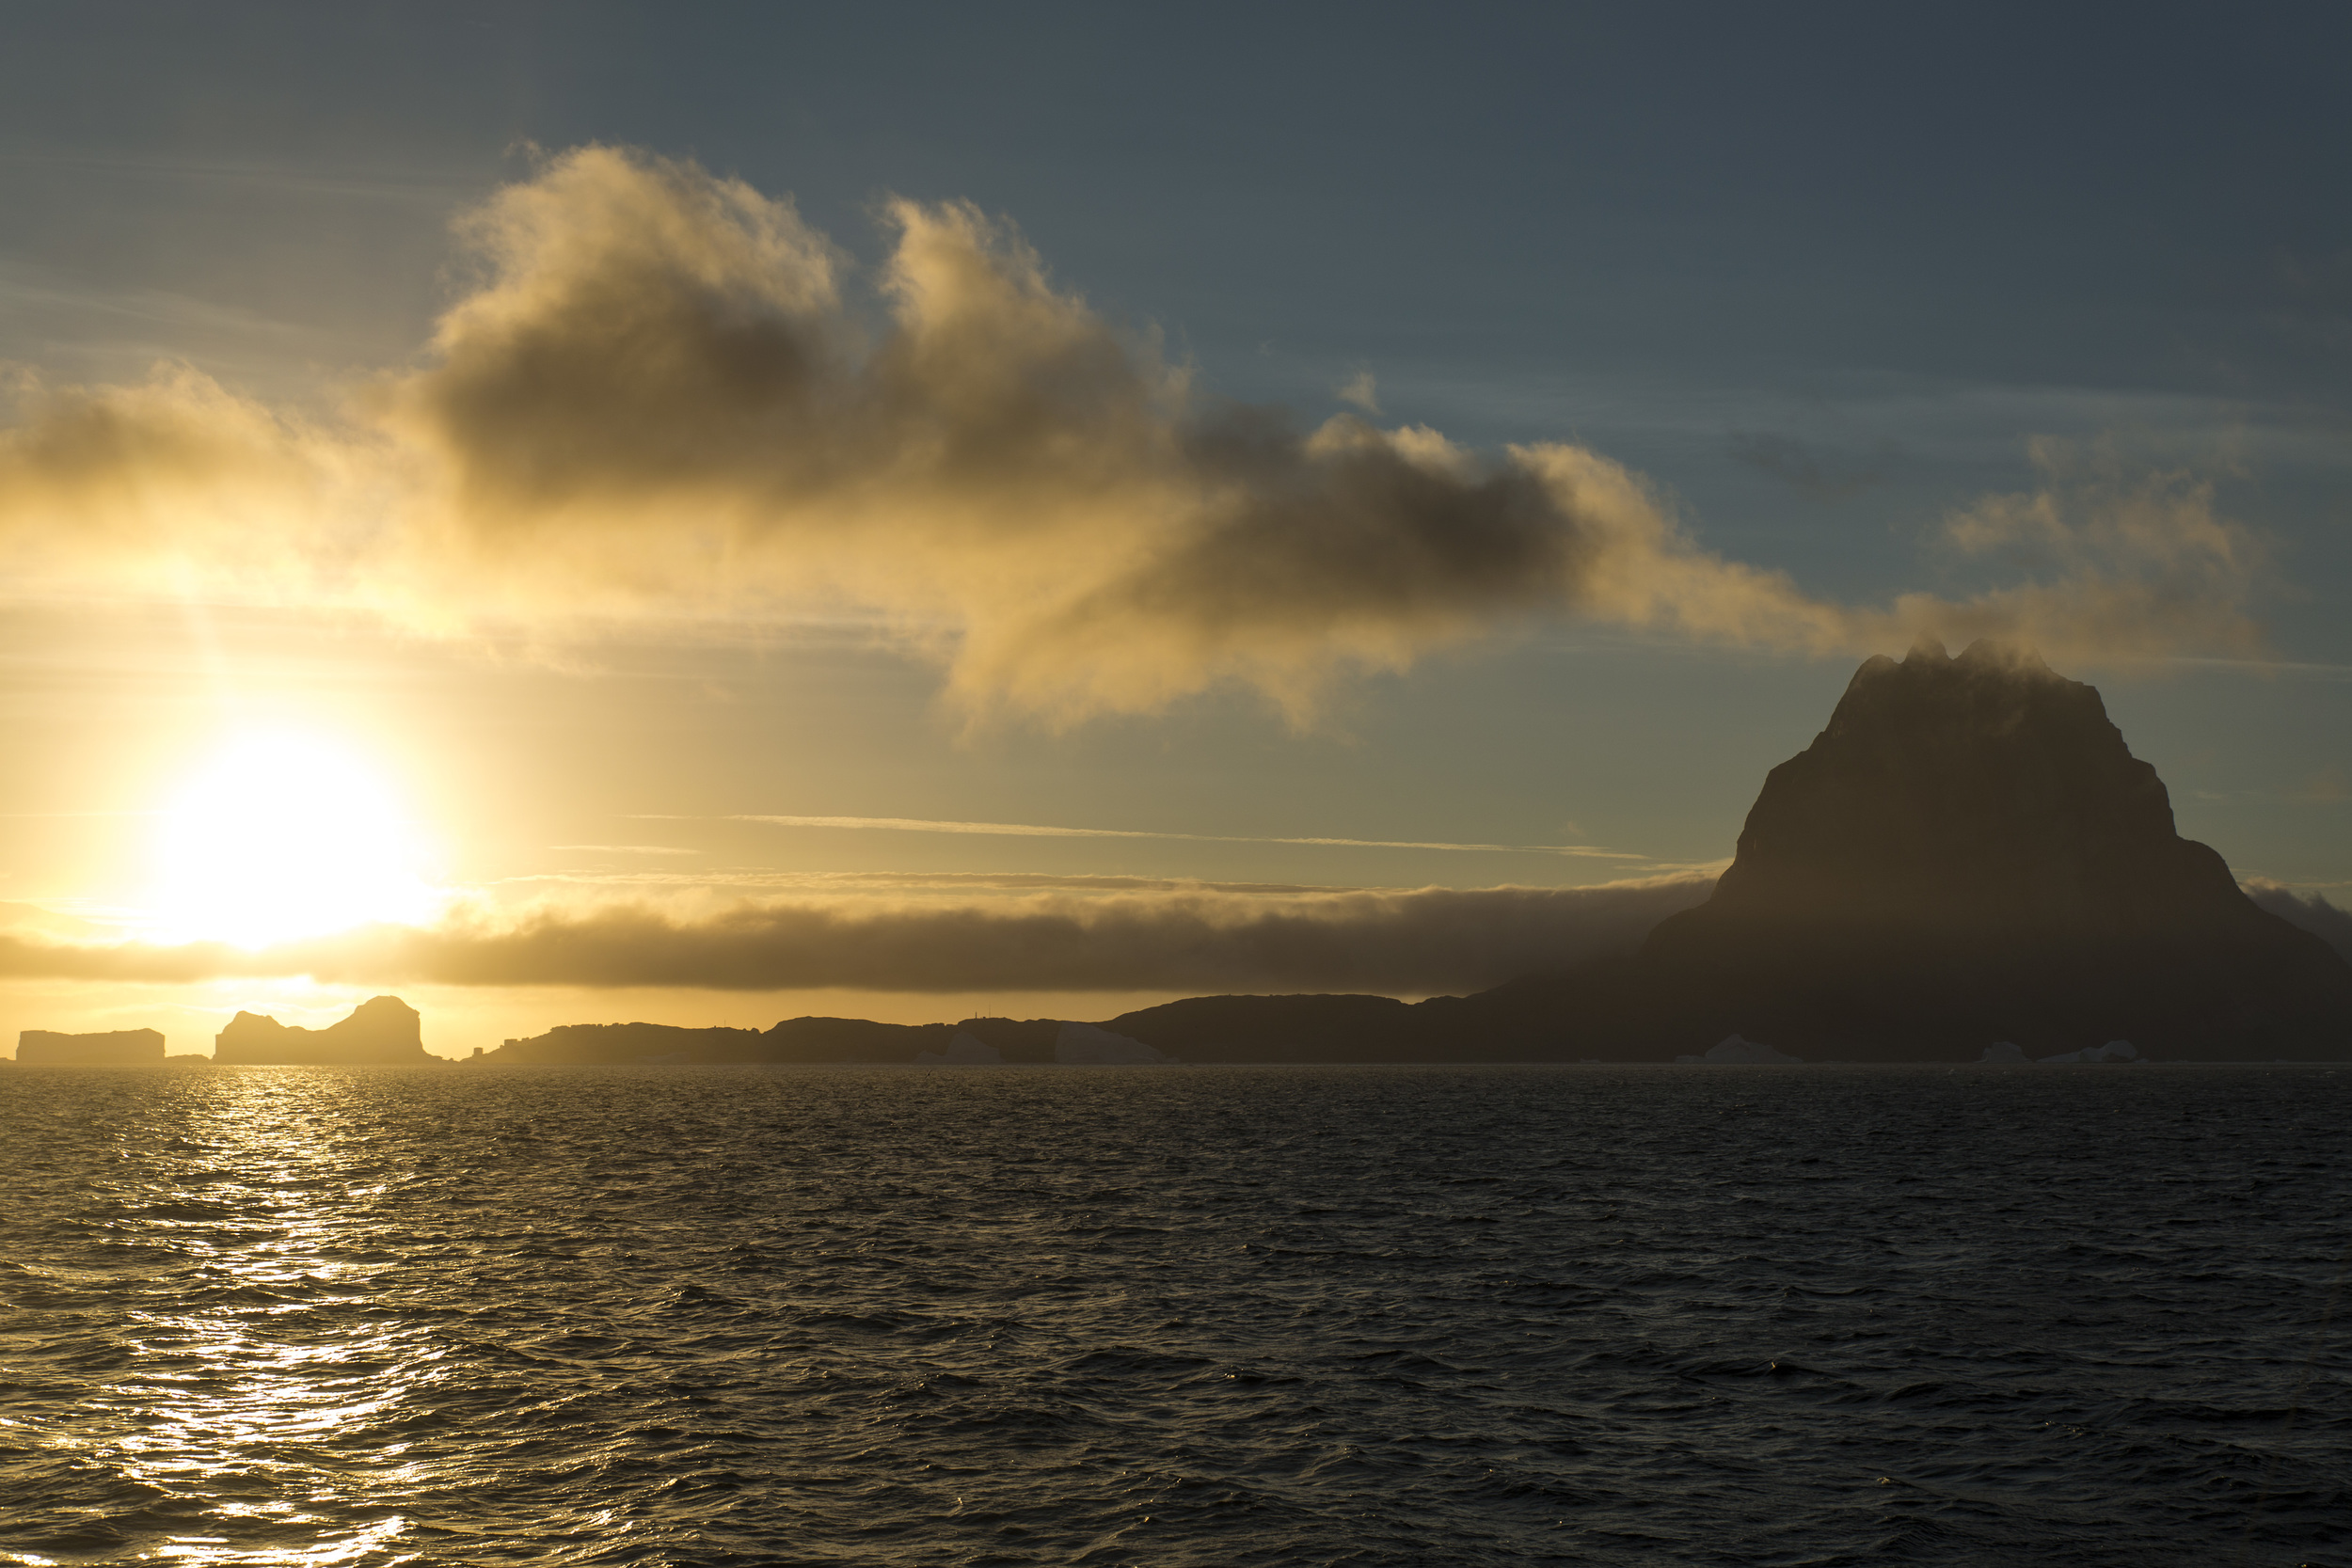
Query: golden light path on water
x=262, y=1383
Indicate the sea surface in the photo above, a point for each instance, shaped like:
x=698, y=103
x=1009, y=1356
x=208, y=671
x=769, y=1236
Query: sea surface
x=1213, y=1316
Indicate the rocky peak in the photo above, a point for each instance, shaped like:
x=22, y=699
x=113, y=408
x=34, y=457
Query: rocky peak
x=381, y=1029
x=1964, y=790
x=1969, y=853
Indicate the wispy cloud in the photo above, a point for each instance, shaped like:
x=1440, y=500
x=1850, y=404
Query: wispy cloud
x=1031, y=829
x=621, y=849
x=918, y=882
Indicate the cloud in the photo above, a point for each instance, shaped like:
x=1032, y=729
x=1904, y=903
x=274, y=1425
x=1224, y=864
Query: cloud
x=1361, y=390
x=2114, y=562
x=1192, y=939
x=1029, y=829
x=621, y=849
x=149, y=487
x=2312, y=913
x=666, y=394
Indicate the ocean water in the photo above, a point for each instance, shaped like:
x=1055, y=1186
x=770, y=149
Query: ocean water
x=1212, y=1316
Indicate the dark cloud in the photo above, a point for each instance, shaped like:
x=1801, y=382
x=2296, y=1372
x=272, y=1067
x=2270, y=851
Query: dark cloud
x=663, y=397
x=1424, y=940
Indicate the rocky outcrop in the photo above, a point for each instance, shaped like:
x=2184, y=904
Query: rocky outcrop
x=113, y=1048
x=1969, y=853
x=383, y=1030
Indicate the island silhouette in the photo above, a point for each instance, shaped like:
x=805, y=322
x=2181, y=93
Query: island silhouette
x=107, y=1048
x=383, y=1030
x=1968, y=864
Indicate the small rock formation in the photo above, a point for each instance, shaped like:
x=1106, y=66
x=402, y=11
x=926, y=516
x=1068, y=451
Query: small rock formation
x=1088, y=1045
x=1732, y=1051
x=113, y=1048
x=2003, y=1054
x=381, y=1031
x=963, y=1050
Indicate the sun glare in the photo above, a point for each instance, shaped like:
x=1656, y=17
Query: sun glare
x=283, y=836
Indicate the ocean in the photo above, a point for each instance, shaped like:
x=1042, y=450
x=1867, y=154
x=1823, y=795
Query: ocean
x=1214, y=1316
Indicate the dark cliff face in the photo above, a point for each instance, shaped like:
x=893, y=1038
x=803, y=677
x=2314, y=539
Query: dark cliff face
x=1969, y=852
x=1961, y=794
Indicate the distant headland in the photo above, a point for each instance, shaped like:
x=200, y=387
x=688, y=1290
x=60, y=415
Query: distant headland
x=113, y=1048
x=383, y=1030
x=1966, y=865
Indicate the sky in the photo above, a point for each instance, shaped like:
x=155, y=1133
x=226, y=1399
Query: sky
x=577, y=512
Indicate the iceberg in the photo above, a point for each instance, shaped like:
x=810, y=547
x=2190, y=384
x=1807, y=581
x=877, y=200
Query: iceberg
x=964, y=1051
x=1088, y=1045
x=2114, y=1051
x=1737, y=1051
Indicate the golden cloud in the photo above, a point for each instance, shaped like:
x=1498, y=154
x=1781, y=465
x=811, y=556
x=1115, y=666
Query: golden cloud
x=1193, y=938
x=662, y=398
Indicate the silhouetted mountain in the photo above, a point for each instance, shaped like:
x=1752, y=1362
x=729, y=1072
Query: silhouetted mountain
x=115, y=1048
x=1968, y=860
x=1968, y=854
x=381, y=1031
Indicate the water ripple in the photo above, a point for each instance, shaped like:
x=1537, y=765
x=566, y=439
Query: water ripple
x=1220, y=1315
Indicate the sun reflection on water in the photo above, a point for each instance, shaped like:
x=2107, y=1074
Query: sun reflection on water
x=261, y=1379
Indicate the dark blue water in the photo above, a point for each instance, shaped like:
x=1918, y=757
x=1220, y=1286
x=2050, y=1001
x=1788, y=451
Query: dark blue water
x=1175, y=1316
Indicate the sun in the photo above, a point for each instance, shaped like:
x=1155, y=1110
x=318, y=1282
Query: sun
x=285, y=835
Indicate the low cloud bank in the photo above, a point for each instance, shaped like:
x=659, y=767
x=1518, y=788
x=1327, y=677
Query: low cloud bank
x=1433, y=940
x=667, y=396
x=2314, y=913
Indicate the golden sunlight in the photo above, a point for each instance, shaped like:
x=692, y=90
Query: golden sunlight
x=285, y=835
